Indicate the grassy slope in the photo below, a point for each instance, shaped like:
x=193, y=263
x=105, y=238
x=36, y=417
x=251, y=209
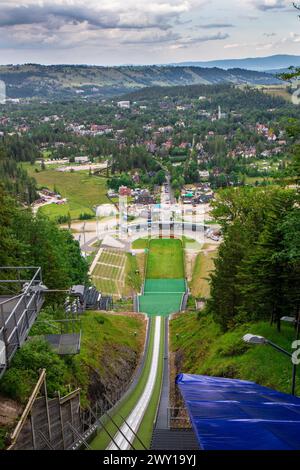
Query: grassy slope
x=141, y=260
x=140, y=243
x=82, y=191
x=133, y=278
x=203, y=349
x=190, y=243
x=118, y=332
x=165, y=259
x=99, y=332
x=204, y=265
x=107, y=341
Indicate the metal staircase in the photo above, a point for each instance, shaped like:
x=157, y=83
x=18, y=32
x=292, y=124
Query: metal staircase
x=21, y=299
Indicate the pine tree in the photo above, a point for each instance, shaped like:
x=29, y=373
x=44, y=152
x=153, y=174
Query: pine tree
x=264, y=275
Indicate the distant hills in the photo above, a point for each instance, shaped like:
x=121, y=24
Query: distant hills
x=67, y=81
x=263, y=64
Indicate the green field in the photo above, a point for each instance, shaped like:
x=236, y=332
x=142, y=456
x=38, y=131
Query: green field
x=165, y=259
x=190, y=244
x=259, y=179
x=82, y=191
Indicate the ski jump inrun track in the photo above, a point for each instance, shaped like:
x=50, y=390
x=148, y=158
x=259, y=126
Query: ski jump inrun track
x=133, y=418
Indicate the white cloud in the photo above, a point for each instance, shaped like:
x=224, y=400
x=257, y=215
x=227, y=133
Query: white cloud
x=193, y=41
x=104, y=14
x=254, y=45
x=34, y=24
x=291, y=38
x=265, y=5
x=118, y=31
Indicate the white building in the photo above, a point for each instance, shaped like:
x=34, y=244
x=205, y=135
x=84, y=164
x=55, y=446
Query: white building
x=123, y=104
x=220, y=114
x=204, y=174
x=81, y=159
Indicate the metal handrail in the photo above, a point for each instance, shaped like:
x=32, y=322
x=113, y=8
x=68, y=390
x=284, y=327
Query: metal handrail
x=20, y=267
x=18, y=312
x=22, y=295
x=10, y=299
x=78, y=435
x=13, y=281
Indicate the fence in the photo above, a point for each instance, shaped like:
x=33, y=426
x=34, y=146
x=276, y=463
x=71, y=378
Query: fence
x=178, y=418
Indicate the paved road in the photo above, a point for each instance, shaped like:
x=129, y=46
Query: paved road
x=167, y=196
x=171, y=193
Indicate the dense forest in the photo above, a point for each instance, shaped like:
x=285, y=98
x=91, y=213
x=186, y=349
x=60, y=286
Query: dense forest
x=13, y=150
x=35, y=241
x=27, y=240
x=257, y=273
x=229, y=95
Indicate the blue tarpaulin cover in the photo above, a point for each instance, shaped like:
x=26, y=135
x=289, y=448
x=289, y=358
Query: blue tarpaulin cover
x=229, y=414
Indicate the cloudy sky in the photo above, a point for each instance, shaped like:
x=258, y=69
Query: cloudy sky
x=112, y=32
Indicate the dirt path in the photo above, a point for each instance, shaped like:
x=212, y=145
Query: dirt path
x=9, y=411
x=190, y=259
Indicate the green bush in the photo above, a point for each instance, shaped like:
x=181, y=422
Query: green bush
x=3, y=432
x=62, y=219
x=20, y=379
x=86, y=216
x=232, y=347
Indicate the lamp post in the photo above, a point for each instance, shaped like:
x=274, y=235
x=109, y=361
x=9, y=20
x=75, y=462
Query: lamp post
x=256, y=339
x=294, y=321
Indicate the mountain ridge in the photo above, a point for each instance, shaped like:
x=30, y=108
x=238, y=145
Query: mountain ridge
x=261, y=64
x=63, y=81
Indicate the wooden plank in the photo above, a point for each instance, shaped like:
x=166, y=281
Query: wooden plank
x=28, y=407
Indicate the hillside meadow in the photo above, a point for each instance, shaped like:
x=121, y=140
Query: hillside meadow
x=83, y=192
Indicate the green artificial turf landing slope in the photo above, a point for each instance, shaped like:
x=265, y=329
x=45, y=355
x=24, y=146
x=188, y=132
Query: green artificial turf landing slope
x=165, y=284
